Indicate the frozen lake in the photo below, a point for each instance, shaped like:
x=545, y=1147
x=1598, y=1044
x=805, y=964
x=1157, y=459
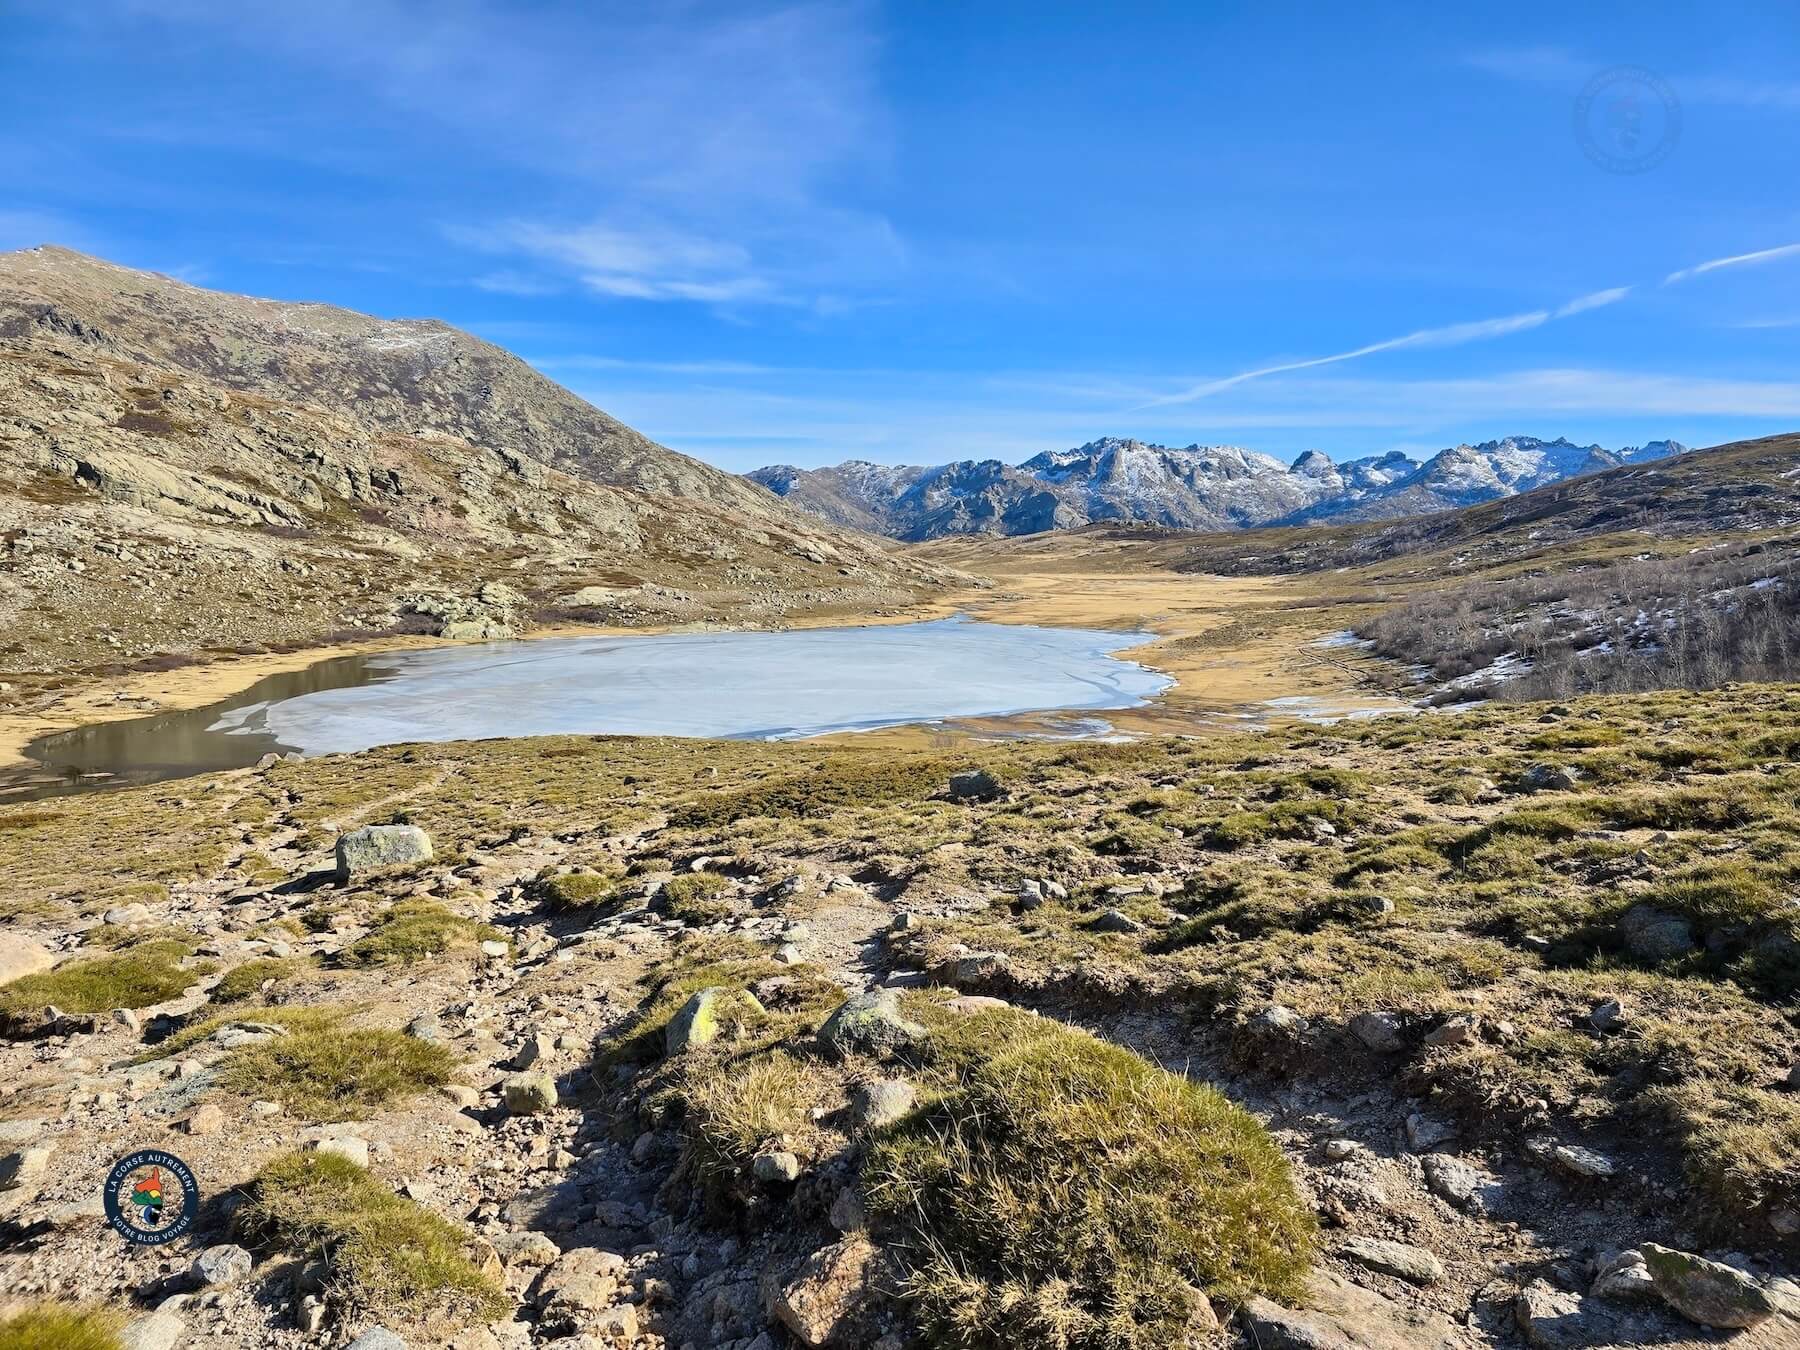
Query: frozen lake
x=764, y=686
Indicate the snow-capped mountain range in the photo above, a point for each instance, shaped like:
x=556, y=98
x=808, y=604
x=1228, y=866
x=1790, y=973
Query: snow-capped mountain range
x=1198, y=487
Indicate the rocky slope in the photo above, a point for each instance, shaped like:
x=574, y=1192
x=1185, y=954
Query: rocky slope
x=1195, y=488
x=183, y=470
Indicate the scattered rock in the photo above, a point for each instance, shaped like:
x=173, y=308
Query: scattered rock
x=1652, y=935
x=528, y=1094
x=1424, y=1134
x=1707, y=1292
x=874, y=1105
x=1382, y=1032
x=779, y=1168
x=154, y=1331
x=377, y=1338
x=1583, y=1162
x=1395, y=1258
x=830, y=1300
x=976, y=785
x=375, y=847
x=1462, y=1029
x=1608, y=1016
x=870, y=1024
x=579, y=1287
x=20, y=956
x=1334, y=1314
x=221, y=1265
x=23, y=1167
x=208, y=1119
x=1279, y=1018
x=1116, y=921
x=1624, y=1278
x=697, y=1022
x=1457, y=1182
x=1556, y=1320
x=127, y=916
x=1549, y=778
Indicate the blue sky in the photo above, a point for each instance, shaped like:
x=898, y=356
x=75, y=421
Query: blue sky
x=926, y=231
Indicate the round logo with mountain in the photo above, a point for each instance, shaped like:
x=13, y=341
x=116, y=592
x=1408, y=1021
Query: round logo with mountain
x=151, y=1197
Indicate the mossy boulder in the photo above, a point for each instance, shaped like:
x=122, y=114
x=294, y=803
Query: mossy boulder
x=706, y=1013
x=375, y=848
x=871, y=1024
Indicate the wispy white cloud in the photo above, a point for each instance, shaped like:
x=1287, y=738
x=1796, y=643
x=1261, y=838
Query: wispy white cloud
x=1767, y=255
x=642, y=263
x=1594, y=300
x=681, y=139
x=1449, y=335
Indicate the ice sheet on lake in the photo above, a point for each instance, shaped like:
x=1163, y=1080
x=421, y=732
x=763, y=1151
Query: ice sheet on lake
x=746, y=685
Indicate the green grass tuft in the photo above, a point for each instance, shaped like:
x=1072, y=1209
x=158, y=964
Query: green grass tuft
x=53, y=1326
x=579, y=891
x=328, y=1073
x=383, y=1252
x=1063, y=1183
x=697, y=898
x=140, y=975
x=414, y=930
x=246, y=981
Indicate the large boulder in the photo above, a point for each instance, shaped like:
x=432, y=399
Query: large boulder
x=870, y=1024
x=376, y=847
x=1707, y=1292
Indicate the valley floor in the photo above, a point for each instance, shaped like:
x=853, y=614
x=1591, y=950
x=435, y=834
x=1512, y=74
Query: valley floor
x=1241, y=649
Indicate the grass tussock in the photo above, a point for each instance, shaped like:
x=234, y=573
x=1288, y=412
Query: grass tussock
x=415, y=930
x=246, y=981
x=1065, y=1192
x=329, y=1073
x=384, y=1253
x=697, y=898
x=138, y=976
x=580, y=892
x=56, y=1326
